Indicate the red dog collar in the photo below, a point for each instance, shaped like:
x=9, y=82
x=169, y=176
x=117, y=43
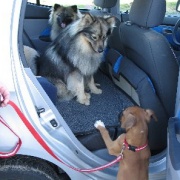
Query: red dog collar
x=134, y=148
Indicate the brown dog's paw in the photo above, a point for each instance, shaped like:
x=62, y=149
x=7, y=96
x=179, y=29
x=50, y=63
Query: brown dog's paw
x=98, y=124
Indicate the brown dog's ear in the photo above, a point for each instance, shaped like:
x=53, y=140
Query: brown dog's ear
x=150, y=114
x=129, y=122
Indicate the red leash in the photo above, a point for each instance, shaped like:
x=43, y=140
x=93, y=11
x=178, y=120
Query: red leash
x=48, y=149
x=16, y=148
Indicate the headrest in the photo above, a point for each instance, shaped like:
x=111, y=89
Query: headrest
x=147, y=13
x=105, y=3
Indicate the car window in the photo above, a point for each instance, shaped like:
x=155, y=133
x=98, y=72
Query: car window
x=125, y=5
x=171, y=8
x=88, y=4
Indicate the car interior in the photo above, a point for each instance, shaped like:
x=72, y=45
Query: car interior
x=139, y=68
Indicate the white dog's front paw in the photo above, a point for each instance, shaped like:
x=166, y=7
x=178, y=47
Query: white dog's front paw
x=96, y=91
x=97, y=84
x=99, y=123
x=85, y=99
x=88, y=96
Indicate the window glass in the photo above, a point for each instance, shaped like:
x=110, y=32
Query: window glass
x=125, y=5
x=82, y=4
x=31, y=1
x=171, y=7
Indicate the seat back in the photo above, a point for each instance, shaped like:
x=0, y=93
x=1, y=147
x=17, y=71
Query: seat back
x=103, y=7
x=148, y=66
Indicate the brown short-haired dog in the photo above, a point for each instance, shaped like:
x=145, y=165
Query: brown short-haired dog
x=133, y=144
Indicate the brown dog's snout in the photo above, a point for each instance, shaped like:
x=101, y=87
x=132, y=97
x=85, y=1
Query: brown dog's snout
x=150, y=114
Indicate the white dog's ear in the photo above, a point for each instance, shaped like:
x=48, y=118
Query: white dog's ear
x=150, y=114
x=87, y=19
x=74, y=8
x=129, y=122
x=111, y=21
x=56, y=6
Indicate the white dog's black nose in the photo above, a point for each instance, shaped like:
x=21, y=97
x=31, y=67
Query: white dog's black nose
x=100, y=50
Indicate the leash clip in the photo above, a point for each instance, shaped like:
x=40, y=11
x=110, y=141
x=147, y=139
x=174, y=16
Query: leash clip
x=121, y=153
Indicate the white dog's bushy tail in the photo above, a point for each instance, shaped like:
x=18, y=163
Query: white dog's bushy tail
x=31, y=57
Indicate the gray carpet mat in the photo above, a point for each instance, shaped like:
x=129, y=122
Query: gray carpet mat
x=105, y=107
